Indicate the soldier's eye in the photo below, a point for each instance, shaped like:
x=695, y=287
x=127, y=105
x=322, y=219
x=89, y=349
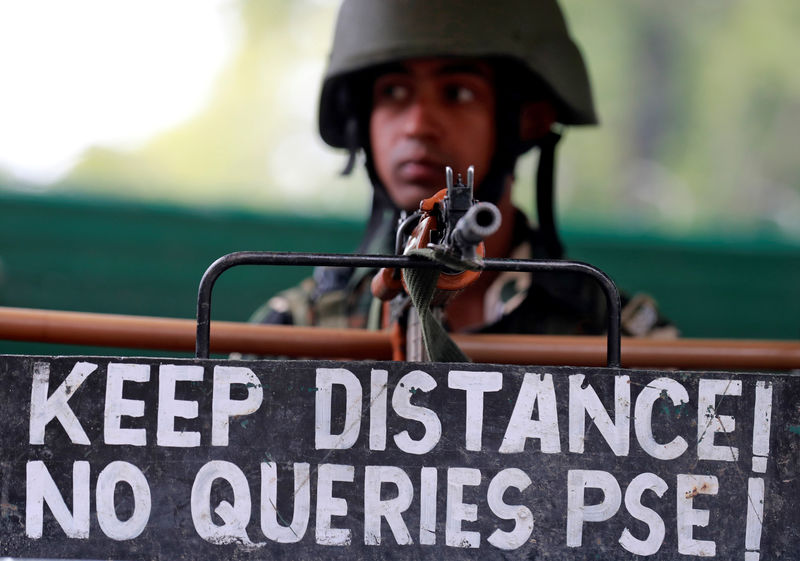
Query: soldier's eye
x=459, y=94
x=393, y=92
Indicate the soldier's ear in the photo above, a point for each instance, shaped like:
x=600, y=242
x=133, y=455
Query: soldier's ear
x=536, y=120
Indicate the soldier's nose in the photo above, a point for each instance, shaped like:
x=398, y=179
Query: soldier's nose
x=421, y=119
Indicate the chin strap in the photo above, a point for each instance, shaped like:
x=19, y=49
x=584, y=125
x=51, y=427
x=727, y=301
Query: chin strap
x=544, y=195
x=351, y=138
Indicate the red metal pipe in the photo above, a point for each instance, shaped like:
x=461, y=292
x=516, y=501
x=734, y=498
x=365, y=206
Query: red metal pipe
x=107, y=330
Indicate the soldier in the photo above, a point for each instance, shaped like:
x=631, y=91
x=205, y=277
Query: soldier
x=417, y=85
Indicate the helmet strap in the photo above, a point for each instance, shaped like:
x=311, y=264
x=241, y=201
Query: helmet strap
x=379, y=235
x=545, y=201
x=352, y=138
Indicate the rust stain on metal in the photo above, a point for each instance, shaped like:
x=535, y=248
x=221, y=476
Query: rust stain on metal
x=703, y=489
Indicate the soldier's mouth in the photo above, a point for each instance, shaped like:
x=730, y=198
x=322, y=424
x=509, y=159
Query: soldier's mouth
x=422, y=171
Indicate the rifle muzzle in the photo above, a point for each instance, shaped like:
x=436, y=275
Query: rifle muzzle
x=481, y=221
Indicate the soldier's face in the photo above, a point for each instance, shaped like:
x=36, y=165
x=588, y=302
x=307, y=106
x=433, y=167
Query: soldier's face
x=428, y=114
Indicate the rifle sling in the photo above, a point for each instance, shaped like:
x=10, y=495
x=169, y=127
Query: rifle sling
x=421, y=285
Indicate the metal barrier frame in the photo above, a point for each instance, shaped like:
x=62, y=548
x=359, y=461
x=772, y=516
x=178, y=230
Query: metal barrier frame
x=202, y=342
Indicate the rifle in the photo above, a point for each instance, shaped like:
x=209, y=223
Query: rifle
x=449, y=228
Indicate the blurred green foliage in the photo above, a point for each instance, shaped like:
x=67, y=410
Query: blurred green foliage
x=699, y=103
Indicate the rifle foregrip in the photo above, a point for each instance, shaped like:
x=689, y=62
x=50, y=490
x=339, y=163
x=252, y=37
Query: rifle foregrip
x=385, y=286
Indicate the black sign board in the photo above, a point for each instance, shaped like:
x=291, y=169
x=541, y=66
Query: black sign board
x=205, y=459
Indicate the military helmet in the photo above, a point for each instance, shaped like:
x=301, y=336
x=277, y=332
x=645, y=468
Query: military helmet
x=370, y=33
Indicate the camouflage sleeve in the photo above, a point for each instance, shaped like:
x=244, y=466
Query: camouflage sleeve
x=293, y=306
x=640, y=317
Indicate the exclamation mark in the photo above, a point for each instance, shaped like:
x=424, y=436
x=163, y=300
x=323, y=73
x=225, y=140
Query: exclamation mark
x=762, y=417
x=755, y=517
